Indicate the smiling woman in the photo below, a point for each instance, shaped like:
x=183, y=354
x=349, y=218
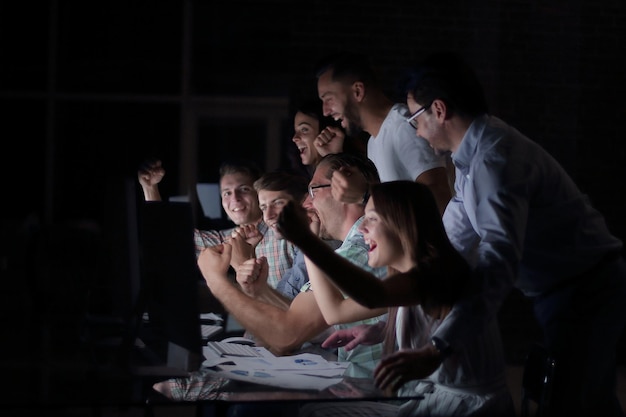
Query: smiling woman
x=426, y=277
x=308, y=123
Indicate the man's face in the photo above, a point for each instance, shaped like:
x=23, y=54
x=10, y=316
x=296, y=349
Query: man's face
x=239, y=198
x=271, y=204
x=316, y=225
x=328, y=209
x=338, y=103
x=427, y=127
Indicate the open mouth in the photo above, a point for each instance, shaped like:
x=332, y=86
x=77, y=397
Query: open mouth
x=372, y=245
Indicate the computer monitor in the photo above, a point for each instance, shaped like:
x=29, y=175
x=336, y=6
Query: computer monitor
x=153, y=274
x=169, y=283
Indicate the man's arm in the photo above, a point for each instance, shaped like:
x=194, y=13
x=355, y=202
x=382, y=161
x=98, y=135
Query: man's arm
x=348, y=185
x=490, y=233
x=252, y=278
x=436, y=180
x=203, y=239
x=281, y=331
x=420, y=161
x=150, y=175
x=361, y=285
x=242, y=249
x=330, y=140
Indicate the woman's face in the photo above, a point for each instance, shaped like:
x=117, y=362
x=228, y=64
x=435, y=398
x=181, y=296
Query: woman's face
x=385, y=248
x=306, y=129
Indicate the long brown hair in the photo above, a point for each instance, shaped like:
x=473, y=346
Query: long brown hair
x=409, y=210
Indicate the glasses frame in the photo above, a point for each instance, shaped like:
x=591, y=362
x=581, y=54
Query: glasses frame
x=314, y=187
x=411, y=119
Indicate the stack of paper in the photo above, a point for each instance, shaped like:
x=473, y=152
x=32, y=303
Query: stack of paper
x=303, y=371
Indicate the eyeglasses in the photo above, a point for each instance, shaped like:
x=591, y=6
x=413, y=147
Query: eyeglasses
x=412, y=120
x=314, y=187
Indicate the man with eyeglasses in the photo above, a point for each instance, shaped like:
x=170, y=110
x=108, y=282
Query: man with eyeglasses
x=350, y=92
x=285, y=328
x=522, y=222
x=275, y=190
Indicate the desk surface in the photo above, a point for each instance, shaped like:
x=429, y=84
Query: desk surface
x=78, y=388
x=39, y=377
x=205, y=388
x=205, y=385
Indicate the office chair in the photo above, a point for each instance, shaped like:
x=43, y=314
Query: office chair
x=537, y=381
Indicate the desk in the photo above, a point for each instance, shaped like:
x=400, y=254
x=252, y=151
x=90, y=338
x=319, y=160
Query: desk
x=75, y=386
x=207, y=389
x=74, y=390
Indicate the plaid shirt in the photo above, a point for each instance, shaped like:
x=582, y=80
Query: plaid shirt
x=355, y=250
x=207, y=238
x=280, y=253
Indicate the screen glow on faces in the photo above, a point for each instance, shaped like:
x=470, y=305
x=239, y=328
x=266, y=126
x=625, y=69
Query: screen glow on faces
x=427, y=128
x=239, y=199
x=385, y=248
x=334, y=98
x=271, y=204
x=306, y=129
x=327, y=208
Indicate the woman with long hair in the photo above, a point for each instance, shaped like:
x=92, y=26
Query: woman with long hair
x=426, y=276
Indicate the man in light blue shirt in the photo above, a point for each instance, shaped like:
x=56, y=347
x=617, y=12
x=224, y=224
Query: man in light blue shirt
x=522, y=222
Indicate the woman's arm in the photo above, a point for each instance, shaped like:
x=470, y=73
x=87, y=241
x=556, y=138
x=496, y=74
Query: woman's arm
x=335, y=308
x=360, y=285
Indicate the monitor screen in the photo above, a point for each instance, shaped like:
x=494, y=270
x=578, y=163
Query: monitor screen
x=169, y=282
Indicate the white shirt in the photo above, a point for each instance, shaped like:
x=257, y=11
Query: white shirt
x=397, y=152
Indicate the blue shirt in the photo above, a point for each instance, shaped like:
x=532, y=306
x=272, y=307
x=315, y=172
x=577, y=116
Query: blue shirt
x=295, y=278
x=519, y=219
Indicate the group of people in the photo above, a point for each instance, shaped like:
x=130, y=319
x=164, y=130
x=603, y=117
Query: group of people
x=377, y=256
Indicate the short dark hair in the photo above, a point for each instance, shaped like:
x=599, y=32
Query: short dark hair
x=240, y=166
x=448, y=77
x=348, y=67
x=349, y=159
x=294, y=185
